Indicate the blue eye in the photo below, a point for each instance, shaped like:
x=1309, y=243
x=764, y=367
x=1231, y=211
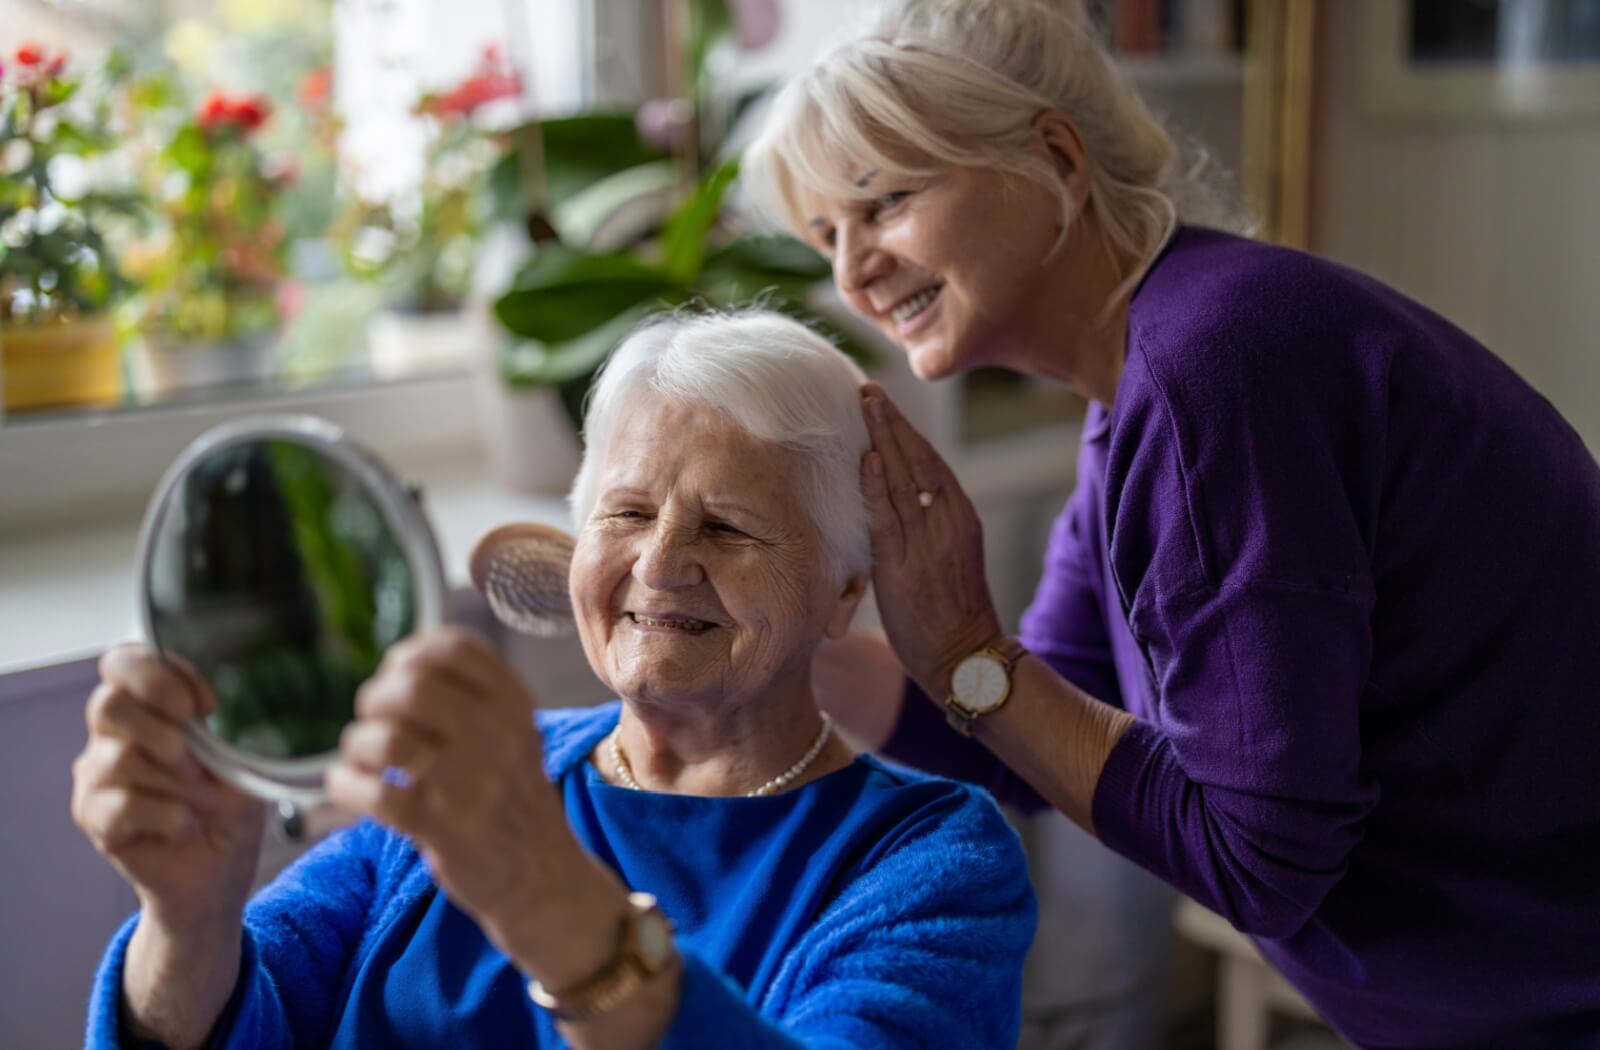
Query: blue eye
x=724, y=529
x=890, y=199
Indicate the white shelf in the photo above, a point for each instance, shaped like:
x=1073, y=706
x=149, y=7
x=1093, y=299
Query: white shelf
x=1174, y=71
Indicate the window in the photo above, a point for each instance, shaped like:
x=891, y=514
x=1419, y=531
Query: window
x=335, y=240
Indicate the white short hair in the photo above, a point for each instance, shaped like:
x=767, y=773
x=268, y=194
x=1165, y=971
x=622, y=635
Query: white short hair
x=772, y=376
x=921, y=86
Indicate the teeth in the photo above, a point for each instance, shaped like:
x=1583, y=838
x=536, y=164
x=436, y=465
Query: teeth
x=915, y=305
x=682, y=625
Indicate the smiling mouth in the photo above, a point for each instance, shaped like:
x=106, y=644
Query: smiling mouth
x=683, y=624
x=916, y=304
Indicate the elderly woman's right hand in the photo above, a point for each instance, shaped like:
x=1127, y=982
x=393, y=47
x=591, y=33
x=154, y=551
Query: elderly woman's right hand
x=186, y=842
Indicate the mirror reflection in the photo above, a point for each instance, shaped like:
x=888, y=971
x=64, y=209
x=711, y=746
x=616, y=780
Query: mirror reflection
x=275, y=575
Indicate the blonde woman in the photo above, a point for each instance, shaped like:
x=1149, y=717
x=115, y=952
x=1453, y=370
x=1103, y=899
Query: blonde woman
x=1315, y=637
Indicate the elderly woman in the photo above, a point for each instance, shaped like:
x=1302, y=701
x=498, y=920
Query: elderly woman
x=1315, y=638
x=818, y=898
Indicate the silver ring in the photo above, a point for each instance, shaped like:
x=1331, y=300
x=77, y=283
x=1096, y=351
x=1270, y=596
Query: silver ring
x=925, y=498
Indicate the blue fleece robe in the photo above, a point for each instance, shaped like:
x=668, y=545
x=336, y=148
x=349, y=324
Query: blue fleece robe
x=873, y=907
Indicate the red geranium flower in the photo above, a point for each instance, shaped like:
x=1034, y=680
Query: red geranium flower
x=316, y=87
x=30, y=55
x=219, y=110
x=251, y=113
x=492, y=80
x=214, y=111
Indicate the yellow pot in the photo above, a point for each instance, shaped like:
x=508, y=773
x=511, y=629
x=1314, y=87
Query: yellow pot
x=65, y=363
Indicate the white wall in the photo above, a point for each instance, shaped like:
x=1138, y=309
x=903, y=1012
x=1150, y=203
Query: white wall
x=1496, y=225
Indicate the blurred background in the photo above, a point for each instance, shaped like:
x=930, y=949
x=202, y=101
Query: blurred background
x=429, y=222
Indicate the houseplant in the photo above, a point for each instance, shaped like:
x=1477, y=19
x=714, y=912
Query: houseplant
x=211, y=275
x=635, y=208
x=58, y=278
x=422, y=246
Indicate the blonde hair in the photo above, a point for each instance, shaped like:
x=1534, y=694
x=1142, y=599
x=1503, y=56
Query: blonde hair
x=778, y=380
x=926, y=85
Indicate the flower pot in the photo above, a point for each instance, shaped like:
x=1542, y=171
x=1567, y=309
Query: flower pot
x=172, y=365
x=60, y=364
x=403, y=343
x=529, y=441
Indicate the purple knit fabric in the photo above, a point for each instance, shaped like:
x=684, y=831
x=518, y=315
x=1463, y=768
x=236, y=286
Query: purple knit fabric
x=1344, y=566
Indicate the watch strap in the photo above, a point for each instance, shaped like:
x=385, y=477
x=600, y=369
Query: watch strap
x=617, y=980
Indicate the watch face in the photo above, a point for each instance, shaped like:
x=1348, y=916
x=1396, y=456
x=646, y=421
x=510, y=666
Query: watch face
x=980, y=682
x=654, y=935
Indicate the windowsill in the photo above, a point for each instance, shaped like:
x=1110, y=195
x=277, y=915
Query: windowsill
x=68, y=593
x=68, y=590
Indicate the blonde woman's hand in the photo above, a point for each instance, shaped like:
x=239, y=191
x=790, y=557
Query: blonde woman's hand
x=927, y=546
x=186, y=842
x=445, y=750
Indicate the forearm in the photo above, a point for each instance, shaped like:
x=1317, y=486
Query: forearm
x=923, y=739
x=176, y=984
x=564, y=941
x=1055, y=737
x=635, y=1024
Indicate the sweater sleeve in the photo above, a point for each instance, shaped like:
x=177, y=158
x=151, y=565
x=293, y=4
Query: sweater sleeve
x=1251, y=796
x=1064, y=626
x=1244, y=495
x=924, y=948
x=300, y=932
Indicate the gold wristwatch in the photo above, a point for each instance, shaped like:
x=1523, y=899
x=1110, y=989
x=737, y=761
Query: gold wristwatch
x=644, y=949
x=981, y=684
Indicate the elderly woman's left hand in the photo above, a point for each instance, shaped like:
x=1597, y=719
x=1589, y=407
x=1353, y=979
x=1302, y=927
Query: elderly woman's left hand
x=444, y=749
x=927, y=547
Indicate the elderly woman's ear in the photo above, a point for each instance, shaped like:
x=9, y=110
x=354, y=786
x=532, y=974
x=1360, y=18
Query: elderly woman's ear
x=855, y=588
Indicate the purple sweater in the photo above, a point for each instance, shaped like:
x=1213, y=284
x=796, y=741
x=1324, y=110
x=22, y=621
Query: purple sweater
x=1344, y=566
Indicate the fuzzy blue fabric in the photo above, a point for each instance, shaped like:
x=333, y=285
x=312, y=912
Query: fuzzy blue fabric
x=874, y=907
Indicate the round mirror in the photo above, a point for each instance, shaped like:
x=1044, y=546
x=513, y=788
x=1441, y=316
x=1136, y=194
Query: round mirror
x=279, y=561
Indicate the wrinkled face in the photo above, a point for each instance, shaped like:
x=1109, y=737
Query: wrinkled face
x=699, y=576
x=955, y=270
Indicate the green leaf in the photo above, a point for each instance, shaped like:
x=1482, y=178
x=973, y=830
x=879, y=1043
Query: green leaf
x=561, y=295
x=637, y=197
x=57, y=91
x=709, y=23
x=683, y=239
x=769, y=253
x=555, y=264
x=189, y=152
x=531, y=362
x=746, y=99
x=581, y=150
x=863, y=354
x=764, y=269
x=503, y=189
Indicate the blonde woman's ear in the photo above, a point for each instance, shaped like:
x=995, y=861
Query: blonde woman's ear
x=1060, y=139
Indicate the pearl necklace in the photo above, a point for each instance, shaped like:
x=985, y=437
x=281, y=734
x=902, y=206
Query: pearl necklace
x=778, y=783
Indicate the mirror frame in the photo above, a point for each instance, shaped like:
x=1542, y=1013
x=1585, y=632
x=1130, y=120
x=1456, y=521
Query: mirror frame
x=296, y=781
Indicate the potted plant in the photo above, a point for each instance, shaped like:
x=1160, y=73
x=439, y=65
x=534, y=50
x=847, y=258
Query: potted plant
x=58, y=345
x=211, y=276
x=635, y=206
x=422, y=247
